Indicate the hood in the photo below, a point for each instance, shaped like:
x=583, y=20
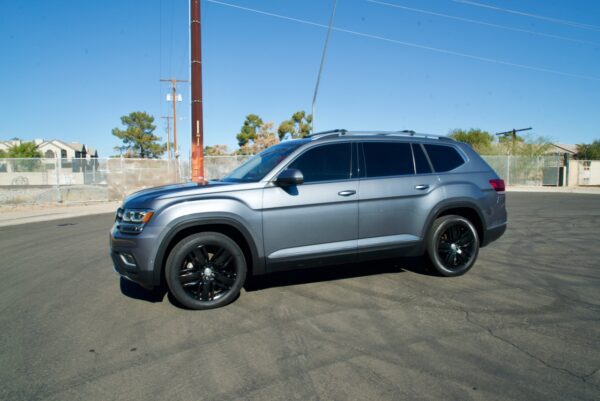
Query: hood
x=145, y=197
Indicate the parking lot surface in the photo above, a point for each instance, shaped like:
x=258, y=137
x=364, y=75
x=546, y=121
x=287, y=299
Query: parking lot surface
x=524, y=324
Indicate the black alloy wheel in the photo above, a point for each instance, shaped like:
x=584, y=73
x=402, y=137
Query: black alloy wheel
x=205, y=270
x=453, y=245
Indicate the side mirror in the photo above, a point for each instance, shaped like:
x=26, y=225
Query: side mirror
x=288, y=177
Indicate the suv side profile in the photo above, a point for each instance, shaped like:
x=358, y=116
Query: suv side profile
x=335, y=197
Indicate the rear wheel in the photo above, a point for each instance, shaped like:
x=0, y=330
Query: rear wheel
x=205, y=270
x=452, y=245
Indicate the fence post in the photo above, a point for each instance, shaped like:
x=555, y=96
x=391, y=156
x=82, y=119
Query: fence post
x=557, y=169
x=508, y=170
x=57, y=168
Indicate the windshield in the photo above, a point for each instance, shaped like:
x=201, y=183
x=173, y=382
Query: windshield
x=258, y=166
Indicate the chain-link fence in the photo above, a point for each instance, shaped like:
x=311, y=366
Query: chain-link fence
x=528, y=170
x=78, y=180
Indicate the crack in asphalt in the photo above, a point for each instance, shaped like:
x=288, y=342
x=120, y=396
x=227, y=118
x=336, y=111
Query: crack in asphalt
x=592, y=373
x=529, y=354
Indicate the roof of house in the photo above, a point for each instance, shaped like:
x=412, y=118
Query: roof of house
x=74, y=146
x=57, y=142
x=564, y=148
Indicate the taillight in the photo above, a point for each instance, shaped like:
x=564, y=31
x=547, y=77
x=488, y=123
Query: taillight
x=498, y=184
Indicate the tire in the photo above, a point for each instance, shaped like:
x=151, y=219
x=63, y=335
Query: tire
x=452, y=245
x=205, y=271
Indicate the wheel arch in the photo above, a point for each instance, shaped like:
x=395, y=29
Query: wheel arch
x=228, y=227
x=466, y=209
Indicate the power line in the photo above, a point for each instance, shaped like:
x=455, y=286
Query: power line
x=531, y=15
x=479, y=22
x=413, y=45
x=314, y=101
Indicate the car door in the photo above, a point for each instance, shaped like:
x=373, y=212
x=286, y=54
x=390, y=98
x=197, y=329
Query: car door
x=314, y=223
x=394, y=193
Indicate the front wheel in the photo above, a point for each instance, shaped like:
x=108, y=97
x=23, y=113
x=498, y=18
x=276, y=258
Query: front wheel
x=452, y=245
x=205, y=270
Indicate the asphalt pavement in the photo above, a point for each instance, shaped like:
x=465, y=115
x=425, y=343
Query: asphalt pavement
x=524, y=324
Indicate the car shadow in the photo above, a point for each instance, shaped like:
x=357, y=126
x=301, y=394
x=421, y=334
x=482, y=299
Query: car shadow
x=416, y=265
x=136, y=291
x=329, y=273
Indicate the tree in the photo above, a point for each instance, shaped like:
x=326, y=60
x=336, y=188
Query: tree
x=265, y=138
x=527, y=145
x=138, y=137
x=298, y=126
x=24, y=150
x=2, y=154
x=479, y=140
x=217, y=150
x=248, y=131
x=589, y=151
x=533, y=146
x=509, y=145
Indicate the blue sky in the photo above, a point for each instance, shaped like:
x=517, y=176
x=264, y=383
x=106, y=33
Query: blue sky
x=71, y=68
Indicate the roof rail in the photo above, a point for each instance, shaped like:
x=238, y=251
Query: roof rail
x=333, y=131
x=403, y=133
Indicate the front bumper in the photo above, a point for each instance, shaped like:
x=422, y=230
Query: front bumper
x=132, y=256
x=143, y=278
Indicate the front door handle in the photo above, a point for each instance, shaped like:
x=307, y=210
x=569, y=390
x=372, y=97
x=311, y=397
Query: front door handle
x=347, y=192
x=422, y=187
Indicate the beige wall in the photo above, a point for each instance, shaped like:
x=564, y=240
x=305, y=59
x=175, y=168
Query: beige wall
x=48, y=177
x=573, y=173
x=588, y=172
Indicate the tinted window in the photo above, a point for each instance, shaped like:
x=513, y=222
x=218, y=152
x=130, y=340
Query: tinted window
x=325, y=163
x=443, y=158
x=421, y=162
x=384, y=159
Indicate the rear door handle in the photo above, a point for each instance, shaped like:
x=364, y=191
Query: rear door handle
x=346, y=193
x=422, y=187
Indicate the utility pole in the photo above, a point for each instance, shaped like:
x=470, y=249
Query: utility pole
x=513, y=133
x=174, y=82
x=168, y=118
x=197, y=118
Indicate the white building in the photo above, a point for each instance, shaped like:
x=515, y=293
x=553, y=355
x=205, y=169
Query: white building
x=57, y=149
x=5, y=145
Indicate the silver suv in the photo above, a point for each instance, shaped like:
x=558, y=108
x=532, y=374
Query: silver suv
x=335, y=197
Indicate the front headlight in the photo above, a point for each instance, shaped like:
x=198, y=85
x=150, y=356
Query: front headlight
x=136, y=216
